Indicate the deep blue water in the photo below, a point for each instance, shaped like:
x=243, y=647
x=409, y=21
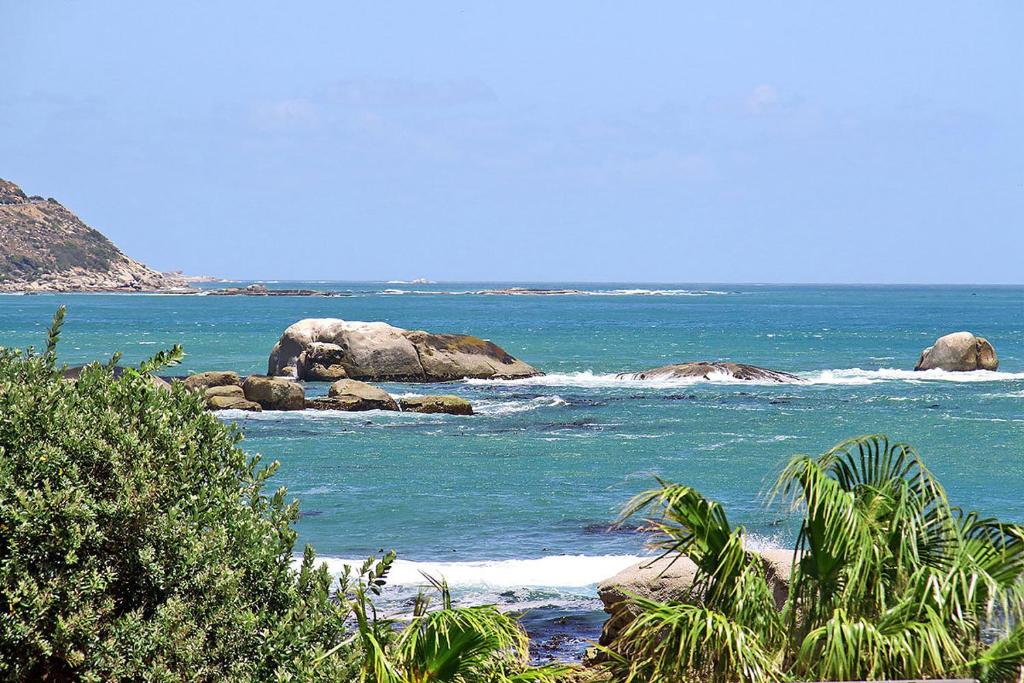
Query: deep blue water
x=545, y=465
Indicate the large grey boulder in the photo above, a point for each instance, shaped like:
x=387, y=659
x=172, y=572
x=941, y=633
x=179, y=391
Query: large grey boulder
x=274, y=393
x=959, y=352
x=708, y=369
x=671, y=578
x=376, y=352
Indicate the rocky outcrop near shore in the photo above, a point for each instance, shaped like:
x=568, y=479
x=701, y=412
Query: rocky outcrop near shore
x=274, y=393
x=379, y=352
x=353, y=395
x=672, y=578
x=710, y=369
x=959, y=352
x=44, y=247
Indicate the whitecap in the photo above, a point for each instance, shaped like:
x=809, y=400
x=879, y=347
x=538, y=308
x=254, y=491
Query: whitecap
x=553, y=571
x=856, y=376
x=492, y=407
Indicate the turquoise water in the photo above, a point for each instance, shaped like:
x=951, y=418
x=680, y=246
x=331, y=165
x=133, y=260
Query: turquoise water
x=544, y=467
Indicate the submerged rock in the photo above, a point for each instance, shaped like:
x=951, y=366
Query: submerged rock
x=274, y=393
x=451, y=405
x=705, y=370
x=959, y=352
x=376, y=351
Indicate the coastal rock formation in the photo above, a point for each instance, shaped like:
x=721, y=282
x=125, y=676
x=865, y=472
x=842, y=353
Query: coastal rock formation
x=353, y=395
x=45, y=247
x=274, y=393
x=450, y=405
x=706, y=370
x=959, y=352
x=229, y=396
x=663, y=579
x=201, y=381
x=376, y=351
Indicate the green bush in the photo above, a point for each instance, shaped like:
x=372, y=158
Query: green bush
x=136, y=541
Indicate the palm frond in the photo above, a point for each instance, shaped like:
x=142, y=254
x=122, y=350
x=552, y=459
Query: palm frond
x=672, y=641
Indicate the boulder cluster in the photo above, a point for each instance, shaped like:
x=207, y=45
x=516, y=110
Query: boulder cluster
x=224, y=390
x=328, y=349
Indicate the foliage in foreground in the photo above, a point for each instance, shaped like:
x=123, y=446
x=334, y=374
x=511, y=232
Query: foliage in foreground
x=890, y=582
x=136, y=543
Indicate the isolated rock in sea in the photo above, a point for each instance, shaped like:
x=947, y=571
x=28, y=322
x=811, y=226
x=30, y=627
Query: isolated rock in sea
x=228, y=396
x=353, y=395
x=201, y=381
x=450, y=405
x=376, y=351
x=45, y=247
x=706, y=370
x=959, y=352
x=663, y=579
x=274, y=393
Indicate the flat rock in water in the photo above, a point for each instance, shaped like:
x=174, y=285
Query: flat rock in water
x=353, y=395
x=710, y=369
x=450, y=405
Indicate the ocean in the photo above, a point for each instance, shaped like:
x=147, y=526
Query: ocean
x=513, y=505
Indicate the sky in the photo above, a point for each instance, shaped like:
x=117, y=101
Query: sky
x=529, y=141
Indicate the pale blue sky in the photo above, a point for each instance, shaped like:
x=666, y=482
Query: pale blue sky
x=672, y=142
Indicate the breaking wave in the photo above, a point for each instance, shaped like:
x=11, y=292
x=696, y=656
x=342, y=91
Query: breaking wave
x=553, y=571
x=848, y=376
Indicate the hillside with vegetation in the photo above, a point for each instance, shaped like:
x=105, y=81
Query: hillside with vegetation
x=46, y=247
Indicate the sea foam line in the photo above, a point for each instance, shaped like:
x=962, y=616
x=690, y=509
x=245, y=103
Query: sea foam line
x=840, y=376
x=553, y=571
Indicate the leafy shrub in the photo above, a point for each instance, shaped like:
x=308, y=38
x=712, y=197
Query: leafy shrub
x=136, y=543
x=136, y=540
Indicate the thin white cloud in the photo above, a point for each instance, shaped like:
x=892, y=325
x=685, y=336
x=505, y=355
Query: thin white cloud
x=287, y=112
x=394, y=92
x=762, y=98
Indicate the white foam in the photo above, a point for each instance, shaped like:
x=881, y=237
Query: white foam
x=590, y=379
x=843, y=376
x=489, y=407
x=854, y=376
x=554, y=571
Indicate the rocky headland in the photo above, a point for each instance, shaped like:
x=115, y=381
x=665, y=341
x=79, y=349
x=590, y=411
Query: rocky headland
x=44, y=247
